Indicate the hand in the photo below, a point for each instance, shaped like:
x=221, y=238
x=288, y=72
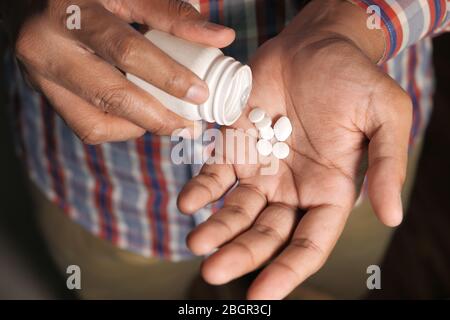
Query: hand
x=341, y=105
x=78, y=70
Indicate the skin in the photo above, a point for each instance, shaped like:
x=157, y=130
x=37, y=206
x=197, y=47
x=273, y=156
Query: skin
x=321, y=72
x=81, y=71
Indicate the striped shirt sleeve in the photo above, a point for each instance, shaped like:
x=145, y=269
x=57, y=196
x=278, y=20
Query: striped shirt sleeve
x=405, y=22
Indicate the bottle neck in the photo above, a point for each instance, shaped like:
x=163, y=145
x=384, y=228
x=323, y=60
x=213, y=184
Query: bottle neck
x=230, y=83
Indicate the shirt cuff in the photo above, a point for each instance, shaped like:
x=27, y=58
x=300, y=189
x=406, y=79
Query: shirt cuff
x=405, y=22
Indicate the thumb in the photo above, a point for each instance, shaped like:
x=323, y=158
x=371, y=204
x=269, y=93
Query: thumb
x=388, y=153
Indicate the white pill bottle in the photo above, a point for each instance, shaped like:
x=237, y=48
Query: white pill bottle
x=229, y=81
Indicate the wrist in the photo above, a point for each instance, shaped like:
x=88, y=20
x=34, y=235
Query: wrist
x=340, y=18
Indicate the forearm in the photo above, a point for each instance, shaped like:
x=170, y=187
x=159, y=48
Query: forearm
x=406, y=22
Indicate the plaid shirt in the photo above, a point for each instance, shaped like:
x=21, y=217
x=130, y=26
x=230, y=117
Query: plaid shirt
x=126, y=192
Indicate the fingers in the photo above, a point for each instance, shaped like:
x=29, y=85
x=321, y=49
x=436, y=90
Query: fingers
x=251, y=249
x=240, y=209
x=103, y=86
x=177, y=17
x=73, y=66
x=311, y=244
x=388, y=157
x=90, y=124
x=211, y=183
x=122, y=46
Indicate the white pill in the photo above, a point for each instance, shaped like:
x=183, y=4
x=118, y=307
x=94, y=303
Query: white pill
x=264, y=123
x=266, y=133
x=280, y=150
x=256, y=115
x=282, y=129
x=264, y=147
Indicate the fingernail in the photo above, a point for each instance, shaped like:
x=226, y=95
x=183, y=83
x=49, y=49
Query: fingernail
x=197, y=94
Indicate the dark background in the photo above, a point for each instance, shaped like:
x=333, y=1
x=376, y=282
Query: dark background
x=416, y=265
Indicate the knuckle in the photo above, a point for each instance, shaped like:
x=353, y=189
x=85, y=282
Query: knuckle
x=32, y=50
x=25, y=45
x=182, y=9
x=122, y=50
x=31, y=54
x=115, y=6
x=115, y=100
x=22, y=45
x=33, y=29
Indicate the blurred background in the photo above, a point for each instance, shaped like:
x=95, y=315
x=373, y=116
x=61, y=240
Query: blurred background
x=415, y=265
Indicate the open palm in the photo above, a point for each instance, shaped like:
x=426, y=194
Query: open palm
x=341, y=106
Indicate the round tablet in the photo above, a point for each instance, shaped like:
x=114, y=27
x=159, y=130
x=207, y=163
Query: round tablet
x=264, y=147
x=282, y=129
x=264, y=123
x=266, y=133
x=280, y=150
x=256, y=115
